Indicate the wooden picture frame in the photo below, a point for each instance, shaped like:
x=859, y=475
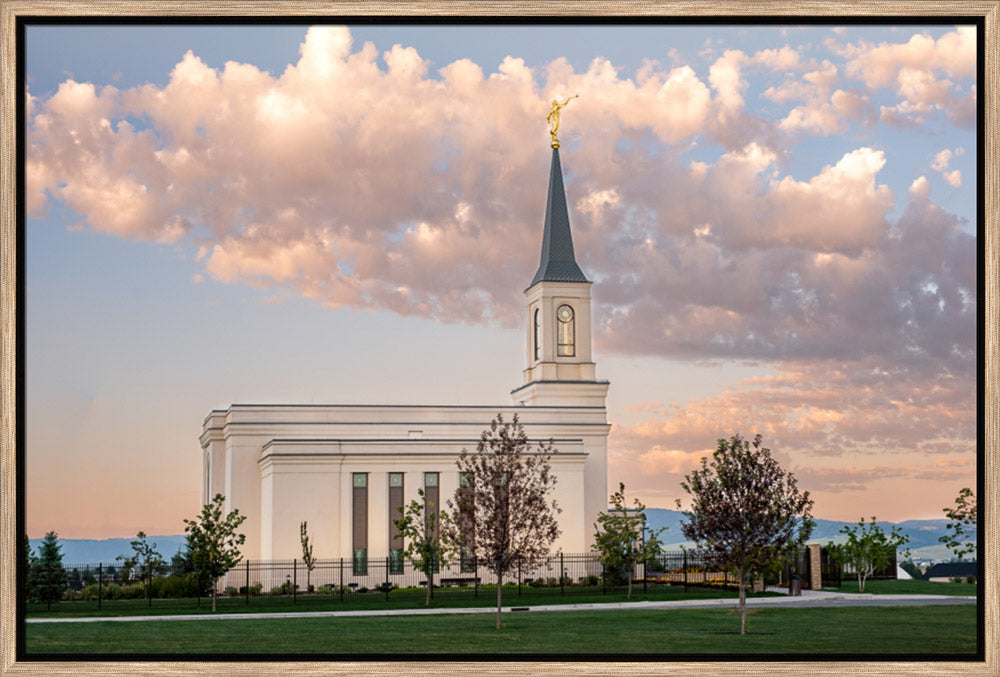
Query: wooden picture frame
x=10, y=211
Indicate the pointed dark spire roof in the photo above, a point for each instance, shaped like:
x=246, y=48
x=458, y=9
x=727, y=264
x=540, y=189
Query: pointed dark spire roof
x=557, y=263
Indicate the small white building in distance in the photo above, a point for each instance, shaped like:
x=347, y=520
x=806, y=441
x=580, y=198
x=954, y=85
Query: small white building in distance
x=345, y=469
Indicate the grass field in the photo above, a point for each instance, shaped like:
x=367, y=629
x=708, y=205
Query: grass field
x=877, y=631
x=908, y=588
x=443, y=598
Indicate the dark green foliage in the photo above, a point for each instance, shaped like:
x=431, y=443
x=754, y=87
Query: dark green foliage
x=746, y=511
x=910, y=567
x=144, y=562
x=307, y=553
x=622, y=539
x=49, y=577
x=214, y=541
x=426, y=532
x=867, y=549
x=30, y=572
x=961, y=536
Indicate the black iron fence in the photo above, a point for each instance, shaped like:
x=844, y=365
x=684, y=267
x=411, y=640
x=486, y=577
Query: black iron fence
x=349, y=580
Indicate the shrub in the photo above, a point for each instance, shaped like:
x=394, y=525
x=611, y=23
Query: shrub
x=970, y=579
x=589, y=580
x=89, y=592
x=552, y=582
x=255, y=589
x=363, y=589
x=285, y=588
x=535, y=582
x=230, y=591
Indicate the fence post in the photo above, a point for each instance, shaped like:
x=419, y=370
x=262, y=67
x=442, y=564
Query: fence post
x=295, y=579
x=341, y=579
x=604, y=580
x=644, y=576
x=100, y=582
x=685, y=570
x=247, y=588
x=149, y=587
x=475, y=575
x=562, y=575
x=387, y=579
x=519, y=578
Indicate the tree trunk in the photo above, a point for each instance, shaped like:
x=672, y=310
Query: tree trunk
x=743, y=604
x=213, y=597
x=861, y=583
x=499, y=596
x=629, y=594
x=430, y=582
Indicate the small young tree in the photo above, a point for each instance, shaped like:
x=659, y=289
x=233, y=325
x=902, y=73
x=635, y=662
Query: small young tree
x=622, y=540
x=503, y=513
x=746, y=511
x=307, y=554
x=961, y=536
x=425, y=531
x=144, y=561
x=867, y=549
x=49, y=575
x=214, y=541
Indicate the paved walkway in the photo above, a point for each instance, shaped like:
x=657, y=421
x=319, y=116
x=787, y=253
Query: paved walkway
x=809, y=598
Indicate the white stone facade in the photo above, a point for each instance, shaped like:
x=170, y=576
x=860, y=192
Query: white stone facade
x=281, y=465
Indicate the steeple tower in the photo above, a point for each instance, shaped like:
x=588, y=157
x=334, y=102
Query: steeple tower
x=560, y=370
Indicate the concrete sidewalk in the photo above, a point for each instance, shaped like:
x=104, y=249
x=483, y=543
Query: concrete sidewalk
x=809, y=598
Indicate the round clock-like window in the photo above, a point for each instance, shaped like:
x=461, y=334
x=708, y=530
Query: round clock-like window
x=565, y=334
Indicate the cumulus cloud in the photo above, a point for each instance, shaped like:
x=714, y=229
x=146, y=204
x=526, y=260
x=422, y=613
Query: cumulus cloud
x=941, y=162
x=840, y=427
x=366, y=180
x=924, y=73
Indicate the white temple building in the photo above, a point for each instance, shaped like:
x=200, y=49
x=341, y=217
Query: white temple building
x=345, y=469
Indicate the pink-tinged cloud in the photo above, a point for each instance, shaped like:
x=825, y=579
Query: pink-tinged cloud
x=379, y=184
x=924, y=73
x=843, y=428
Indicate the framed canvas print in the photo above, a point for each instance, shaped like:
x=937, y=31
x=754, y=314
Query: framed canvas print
x=450, y=339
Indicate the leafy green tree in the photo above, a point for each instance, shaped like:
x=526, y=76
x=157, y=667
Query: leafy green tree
x=961, y=536
x=49, y=575
x=425, y=531
x=503, y=514
x=144, y=562
x=214, y=541
x=911, y=567
x=307, y=553
x=746, y=511
x=868, y=548
x=621, y=539
x=30, y=571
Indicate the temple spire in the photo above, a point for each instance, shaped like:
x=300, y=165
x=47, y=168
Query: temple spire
x=557, y=263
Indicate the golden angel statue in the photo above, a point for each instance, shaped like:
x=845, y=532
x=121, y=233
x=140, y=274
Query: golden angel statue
x=553, y=118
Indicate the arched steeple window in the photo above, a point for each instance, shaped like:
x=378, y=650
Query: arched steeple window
x=538, y=334
x=565, y=332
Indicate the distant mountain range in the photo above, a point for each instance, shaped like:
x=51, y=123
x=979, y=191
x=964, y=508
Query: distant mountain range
x=91, y=551
x=924, y=544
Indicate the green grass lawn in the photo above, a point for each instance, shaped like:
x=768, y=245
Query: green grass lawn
x=909, y=588
x=443, y=598
x=878, y=631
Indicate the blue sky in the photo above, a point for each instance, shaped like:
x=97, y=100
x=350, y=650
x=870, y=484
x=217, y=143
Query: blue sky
x=320, y=223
